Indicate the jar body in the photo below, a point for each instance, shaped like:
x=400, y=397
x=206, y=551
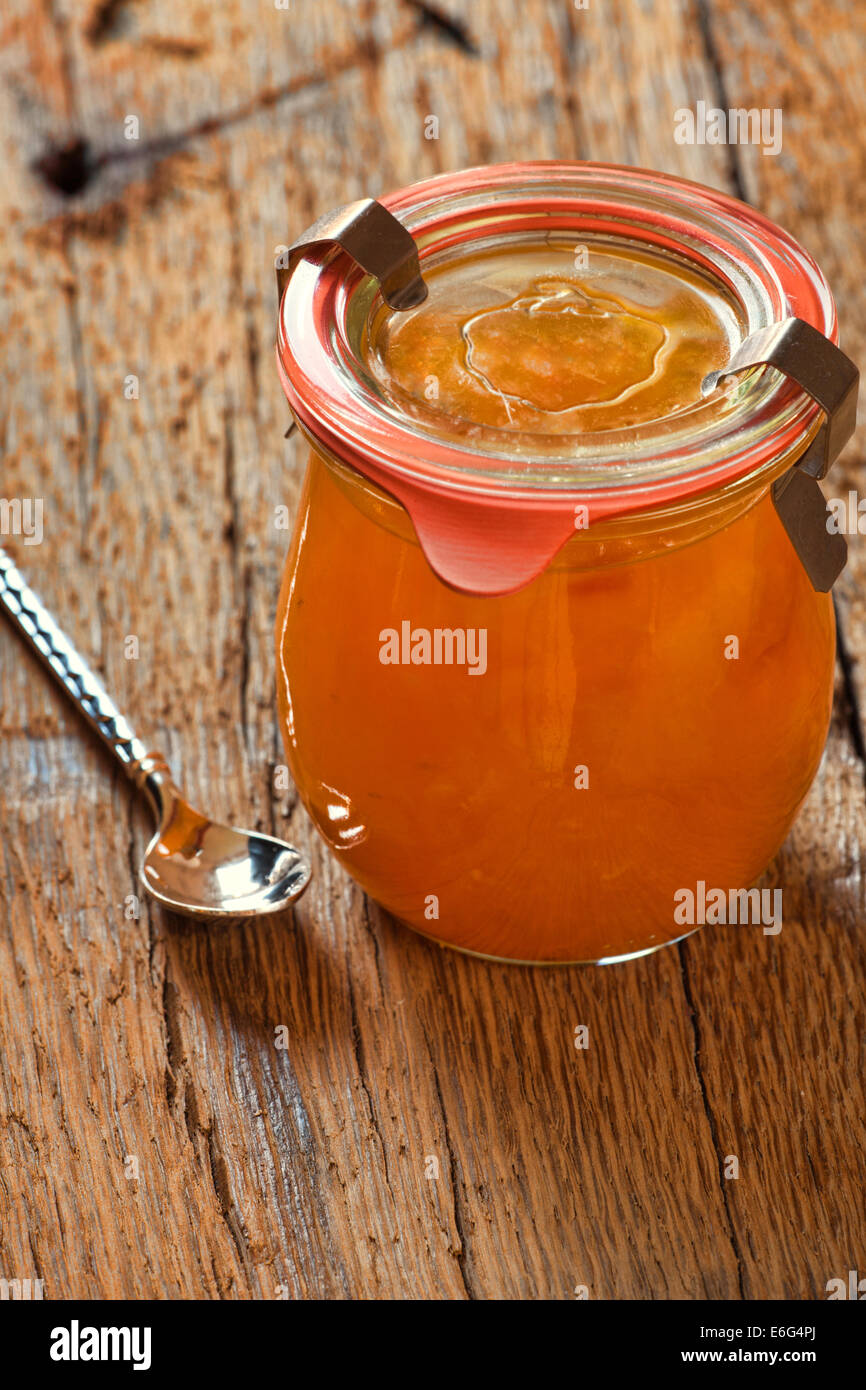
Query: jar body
x=643, y=718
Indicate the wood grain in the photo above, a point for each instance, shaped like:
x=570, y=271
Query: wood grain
x=302, y=1171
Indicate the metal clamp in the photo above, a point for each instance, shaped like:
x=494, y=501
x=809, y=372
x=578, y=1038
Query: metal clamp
x=374, y=238
x=832, y=380
x=819, y=367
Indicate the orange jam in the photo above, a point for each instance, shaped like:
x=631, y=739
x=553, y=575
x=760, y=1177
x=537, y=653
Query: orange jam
x=524, y=341
x=612, y=753
x=541, y=774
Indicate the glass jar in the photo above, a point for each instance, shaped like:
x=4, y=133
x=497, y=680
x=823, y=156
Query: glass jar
x=540, y=683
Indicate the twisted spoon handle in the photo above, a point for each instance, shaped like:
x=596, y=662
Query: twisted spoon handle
x=69, y=668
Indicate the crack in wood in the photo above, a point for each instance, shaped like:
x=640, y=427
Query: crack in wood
x=88, y=438
x=67, y=167
x=137, y=889
x=361, y=1065
x=453, y=30
x=60, y=24
x=847, y=666
x=456, y=1205
x=71, y=165
x=568, y=56
x=172, y=1038
x=225, y=1201
x=216, y=1165
x=373, y=935
x=104, y=22
x=241, y=571
x=714, y=59
x=37, y=1263
x=708, y=1111
x=236, y=273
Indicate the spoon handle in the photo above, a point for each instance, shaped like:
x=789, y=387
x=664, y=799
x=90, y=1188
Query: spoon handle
x=69, y=668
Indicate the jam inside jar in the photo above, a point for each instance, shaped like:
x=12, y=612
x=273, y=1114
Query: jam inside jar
x=547, y=660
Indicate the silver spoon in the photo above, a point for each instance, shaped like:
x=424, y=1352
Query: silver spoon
x=193, y=865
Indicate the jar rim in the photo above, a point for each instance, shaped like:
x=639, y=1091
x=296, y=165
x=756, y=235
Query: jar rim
x=768, y=272
x=490, y=523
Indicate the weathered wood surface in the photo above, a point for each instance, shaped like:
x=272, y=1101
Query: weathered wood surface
x=303, y=1170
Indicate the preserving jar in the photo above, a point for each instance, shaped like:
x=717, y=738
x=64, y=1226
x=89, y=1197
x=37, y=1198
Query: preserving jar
x=554, y=653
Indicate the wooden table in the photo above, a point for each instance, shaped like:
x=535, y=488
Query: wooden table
x=146, y=1046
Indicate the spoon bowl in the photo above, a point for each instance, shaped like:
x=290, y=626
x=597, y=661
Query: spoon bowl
x=200, y=868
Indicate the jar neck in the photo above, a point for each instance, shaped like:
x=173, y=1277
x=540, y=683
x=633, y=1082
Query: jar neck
x=610, y=541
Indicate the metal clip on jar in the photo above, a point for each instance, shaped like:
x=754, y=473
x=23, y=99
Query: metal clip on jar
x=555, y=644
